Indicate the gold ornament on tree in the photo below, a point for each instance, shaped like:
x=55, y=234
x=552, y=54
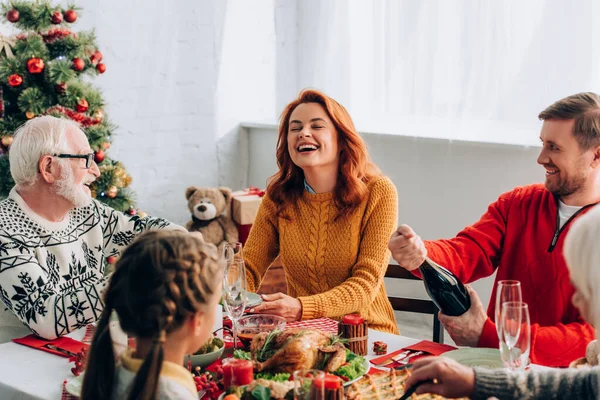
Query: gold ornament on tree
x=112, y=192
x=29, y=114
x=7, y=141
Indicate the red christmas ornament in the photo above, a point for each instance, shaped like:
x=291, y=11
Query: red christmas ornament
x=15, y=80
x=98, y=55
x=35, y=65
x=12, y=15
x=101, y=68
x=82, y=105
x=98, y=156
x=132, y=211
x=70, y=16
x=78, y=64
x=60, y=87
x=57, y=18
x=111, y=259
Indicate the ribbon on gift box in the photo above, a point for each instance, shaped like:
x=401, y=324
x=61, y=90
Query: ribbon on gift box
x=252, y=191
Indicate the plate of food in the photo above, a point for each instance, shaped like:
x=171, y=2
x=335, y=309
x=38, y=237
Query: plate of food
x=210, y=352
x=289, y=350
x=477, y=357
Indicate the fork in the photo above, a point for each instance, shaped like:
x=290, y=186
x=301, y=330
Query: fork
x=406, y=359
x=396, y=358
x=201, y=394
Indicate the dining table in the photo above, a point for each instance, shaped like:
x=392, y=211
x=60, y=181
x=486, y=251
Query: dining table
x=27, y=373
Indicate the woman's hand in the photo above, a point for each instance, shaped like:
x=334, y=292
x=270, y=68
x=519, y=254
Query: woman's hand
x=280, y=304
x=451, y=378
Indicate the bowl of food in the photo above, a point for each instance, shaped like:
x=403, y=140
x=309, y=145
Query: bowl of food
x=210, y=352
x=250, y=325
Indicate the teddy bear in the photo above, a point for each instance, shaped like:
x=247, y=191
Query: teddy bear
x=209, y=208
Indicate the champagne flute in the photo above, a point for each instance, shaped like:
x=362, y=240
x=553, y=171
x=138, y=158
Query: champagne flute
x=234, y=293
x=507, y=290
x=515, y=342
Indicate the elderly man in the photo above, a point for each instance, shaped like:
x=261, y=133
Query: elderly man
x=54, y=237
x=521, y=237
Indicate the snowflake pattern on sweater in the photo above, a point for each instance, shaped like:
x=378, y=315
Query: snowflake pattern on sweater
x=52, y=275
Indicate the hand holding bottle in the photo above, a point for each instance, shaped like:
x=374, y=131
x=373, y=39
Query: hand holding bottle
x=466, y=329
x=407, y=248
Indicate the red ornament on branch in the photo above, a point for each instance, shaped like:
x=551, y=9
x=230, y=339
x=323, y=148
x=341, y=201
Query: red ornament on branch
x=12, y=15
x=15, y=80
x=101, y=68
x=78, y=64
x=82, y=105
x=57, y=18
x=60, y=87
x=35, y=65
x=98, y=55
x=98, y=156
x=70, y=16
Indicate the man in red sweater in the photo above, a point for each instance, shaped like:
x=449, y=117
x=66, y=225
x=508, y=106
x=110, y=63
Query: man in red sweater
x=521, y=235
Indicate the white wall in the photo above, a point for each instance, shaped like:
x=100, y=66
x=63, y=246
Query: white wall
x=180, y=76
x=442, y=185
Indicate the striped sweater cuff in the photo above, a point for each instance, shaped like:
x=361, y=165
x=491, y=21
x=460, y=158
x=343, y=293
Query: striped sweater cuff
x=490, y=383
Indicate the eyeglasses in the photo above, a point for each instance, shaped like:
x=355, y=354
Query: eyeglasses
x=89, y=158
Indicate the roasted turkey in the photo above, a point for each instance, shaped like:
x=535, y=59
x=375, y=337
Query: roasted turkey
x=295, y=349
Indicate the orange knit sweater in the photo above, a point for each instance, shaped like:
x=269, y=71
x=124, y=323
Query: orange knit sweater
x=334, y=267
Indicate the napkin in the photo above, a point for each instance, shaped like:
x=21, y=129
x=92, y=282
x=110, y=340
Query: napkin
x=63, y=343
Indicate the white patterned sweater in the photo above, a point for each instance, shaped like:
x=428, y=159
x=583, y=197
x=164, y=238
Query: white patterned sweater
x=52, y=274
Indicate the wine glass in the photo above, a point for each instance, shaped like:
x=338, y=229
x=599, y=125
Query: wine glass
x=234, y=293
x=515, y=342
x=233, y=251
x=507, y=290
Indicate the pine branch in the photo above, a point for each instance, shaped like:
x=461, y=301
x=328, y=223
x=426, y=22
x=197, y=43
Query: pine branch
x=33, y=16
x=60, y=71
x=9, y=66
x=32, y=99
x=31, y=46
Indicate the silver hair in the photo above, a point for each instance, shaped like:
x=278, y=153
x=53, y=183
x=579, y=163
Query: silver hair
x=38, y=137
x=582, y=254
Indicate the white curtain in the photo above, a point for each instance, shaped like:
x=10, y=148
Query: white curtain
x=461, y=69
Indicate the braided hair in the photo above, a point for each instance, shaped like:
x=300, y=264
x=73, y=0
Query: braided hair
x=161, y=279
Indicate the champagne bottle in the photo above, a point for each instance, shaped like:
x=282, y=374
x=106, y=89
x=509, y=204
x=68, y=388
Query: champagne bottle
x=445, y=289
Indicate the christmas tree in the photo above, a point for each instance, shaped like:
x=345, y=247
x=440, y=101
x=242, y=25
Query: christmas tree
x=45, y=69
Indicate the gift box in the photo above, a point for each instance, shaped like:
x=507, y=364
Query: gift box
x=244, y=207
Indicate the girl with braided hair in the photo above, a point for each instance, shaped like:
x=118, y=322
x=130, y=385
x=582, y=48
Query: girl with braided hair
x=164, y=290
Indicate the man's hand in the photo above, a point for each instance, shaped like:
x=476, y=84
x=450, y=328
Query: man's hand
x=280, y=304
x=407, y=248
x=466, y=329
x=451, y=379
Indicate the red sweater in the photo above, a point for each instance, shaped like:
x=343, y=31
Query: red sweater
x=515, y=237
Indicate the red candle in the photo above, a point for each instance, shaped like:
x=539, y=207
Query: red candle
x=353, y=319
x=237, y=372
x=331, y=382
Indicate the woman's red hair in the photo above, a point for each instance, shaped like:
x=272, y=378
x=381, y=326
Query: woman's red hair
x=356, y=168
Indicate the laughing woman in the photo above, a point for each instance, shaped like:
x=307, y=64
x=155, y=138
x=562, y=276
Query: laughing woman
x=328, y=213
